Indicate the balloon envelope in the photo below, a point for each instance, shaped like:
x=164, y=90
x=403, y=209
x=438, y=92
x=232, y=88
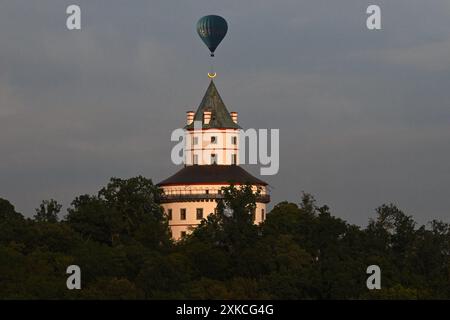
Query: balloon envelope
x=212, y=29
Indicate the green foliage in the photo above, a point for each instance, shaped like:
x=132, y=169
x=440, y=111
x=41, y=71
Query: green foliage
x=119, y=237
x=231, y=227
x=8, y=212
x=112, y=289
x=123, y=212
x=48, y=211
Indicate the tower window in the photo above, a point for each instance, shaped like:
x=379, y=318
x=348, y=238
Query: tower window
x=213, y=139
x=199, y=213
x=213, y=158
x=234, y=159
x=169, y=214
x=182, y=214
x=234, y=140
x=263, y=215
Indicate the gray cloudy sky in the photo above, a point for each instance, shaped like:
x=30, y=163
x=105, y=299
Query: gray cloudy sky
x=364, y=116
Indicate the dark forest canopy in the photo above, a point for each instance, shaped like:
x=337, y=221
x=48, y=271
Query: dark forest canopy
x=120, y=239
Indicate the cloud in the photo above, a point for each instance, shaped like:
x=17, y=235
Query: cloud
x=363, y=116
x=425, y=57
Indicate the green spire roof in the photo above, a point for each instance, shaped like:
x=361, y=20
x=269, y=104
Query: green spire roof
x=220, y=117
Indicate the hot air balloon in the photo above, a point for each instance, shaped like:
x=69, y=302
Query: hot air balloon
x=212, y=29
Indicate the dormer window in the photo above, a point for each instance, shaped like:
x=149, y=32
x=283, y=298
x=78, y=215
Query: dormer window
x=206, y=117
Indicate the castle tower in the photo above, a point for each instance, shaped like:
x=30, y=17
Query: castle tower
x=211, y=162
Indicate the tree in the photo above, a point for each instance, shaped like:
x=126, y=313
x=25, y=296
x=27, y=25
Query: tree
x=112, y=289
x=94, y=220
x=7, y=211
x=48, y=211
x=124, y=211
x=119, y=237
x=137, y=202
x=232, y=226
x=13, y=226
